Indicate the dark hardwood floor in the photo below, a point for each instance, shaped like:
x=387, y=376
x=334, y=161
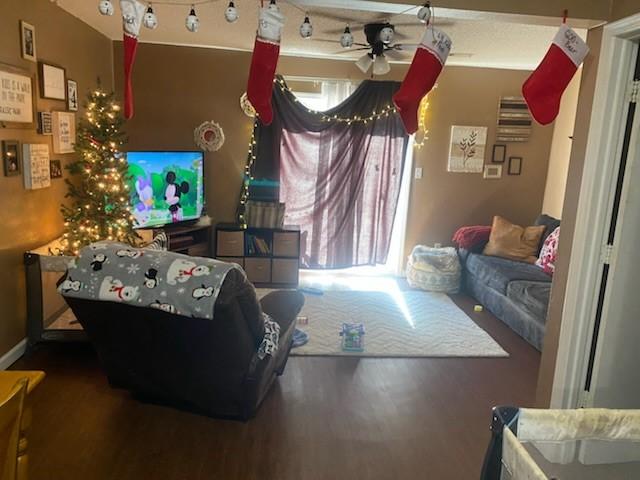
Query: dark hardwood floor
x=326, y=419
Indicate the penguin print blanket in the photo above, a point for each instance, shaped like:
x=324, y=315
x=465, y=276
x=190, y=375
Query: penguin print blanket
x=174, y=283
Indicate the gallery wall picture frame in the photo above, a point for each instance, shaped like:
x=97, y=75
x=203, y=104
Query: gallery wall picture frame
x=28, y=41
x=53, y=81
x=11, y=158
x=64, y=132
x=72, y=95
x=515, y=166
x=56, y=169
x=492, y=172
x=45, y=123
x=17, y=97
x=37, y=168
x=499, y=154
x=467, y=149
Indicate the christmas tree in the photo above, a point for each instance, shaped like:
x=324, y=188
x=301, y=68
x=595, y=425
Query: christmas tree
x=99, y=207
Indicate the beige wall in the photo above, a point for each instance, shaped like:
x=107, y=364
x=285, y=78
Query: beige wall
x=624, y=8
x=32, y=218
x=209, y=83
x=572, y=192
x=441, y=202
x=561, y=149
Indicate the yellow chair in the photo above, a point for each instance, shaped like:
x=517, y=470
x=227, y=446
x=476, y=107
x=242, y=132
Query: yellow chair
x=9, y=381
x=10, y=420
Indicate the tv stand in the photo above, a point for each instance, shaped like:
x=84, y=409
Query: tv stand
x=189, y=238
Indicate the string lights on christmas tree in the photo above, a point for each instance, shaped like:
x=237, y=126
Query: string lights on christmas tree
x=99, y=208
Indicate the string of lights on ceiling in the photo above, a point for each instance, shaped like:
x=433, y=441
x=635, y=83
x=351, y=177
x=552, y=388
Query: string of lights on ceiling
x=231, y=15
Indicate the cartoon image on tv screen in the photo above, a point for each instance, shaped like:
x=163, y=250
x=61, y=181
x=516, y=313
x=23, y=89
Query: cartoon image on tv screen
x=166, y=187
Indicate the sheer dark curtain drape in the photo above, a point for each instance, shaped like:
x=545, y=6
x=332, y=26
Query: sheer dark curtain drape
x=340, y=181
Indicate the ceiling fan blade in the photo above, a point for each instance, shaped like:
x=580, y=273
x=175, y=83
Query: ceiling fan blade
x=400, y=35
x=404, y=47
x=397, y=54
x=349, y=50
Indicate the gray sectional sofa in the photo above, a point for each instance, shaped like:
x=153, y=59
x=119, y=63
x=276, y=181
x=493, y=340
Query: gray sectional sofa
x=515, y=292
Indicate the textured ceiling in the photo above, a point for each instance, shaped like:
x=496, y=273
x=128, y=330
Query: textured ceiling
x=478, y=39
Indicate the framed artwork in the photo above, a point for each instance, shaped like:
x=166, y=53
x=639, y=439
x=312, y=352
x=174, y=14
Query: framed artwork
x=11, y=157
x=64, y=132
x=28, y=41
x=467, y=149
x=53, y=82
x=56, y=169
x=492, y=172
x=37, y=170
x=499, y=153
x=16, y=97
x=515, y=165
x=45, y=123
x=72, y=95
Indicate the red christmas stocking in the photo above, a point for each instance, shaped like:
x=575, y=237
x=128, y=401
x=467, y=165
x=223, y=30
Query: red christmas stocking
x=426, y=65
x=264, y=61
x=132, y=13
x=544, y=88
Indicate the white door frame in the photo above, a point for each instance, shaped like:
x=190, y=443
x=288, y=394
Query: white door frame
x=599, y=178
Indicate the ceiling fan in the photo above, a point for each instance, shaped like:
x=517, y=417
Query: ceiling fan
x=379, y=35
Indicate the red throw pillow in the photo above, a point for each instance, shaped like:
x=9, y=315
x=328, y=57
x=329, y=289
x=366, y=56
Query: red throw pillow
x=468, y=237
x=549, y=252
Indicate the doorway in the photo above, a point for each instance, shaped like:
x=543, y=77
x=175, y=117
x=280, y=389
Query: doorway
x=595, y=365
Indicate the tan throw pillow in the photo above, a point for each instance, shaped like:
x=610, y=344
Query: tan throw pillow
x=513, y=241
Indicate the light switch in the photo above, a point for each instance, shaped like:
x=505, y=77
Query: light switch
x=418, y=174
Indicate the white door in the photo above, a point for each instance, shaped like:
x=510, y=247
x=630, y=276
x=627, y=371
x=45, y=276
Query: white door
x=612, y=376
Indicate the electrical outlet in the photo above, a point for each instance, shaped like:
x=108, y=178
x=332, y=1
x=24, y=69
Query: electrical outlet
x=418, y=174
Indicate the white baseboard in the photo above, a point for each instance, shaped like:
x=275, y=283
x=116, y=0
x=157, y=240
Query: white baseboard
x=13, y=355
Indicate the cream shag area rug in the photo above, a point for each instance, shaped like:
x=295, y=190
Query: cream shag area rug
x=397, y=324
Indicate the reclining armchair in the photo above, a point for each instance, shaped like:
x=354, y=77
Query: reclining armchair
x=210, y=366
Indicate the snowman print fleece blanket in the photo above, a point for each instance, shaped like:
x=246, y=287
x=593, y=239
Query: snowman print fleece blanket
x=174, y=283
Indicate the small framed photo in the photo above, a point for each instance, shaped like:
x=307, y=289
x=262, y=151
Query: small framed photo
x=515, y=165
x=45, y=123
x=28, y=40
x=499, y=153
x=56, y=169
x=11, y=157
x=53, y=82
x=492, y=172
x=72, y=95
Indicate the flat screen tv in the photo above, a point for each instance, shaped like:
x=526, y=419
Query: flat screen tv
x=165, y=187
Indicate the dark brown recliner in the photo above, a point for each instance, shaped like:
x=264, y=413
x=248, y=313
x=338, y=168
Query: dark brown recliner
x=207, y=366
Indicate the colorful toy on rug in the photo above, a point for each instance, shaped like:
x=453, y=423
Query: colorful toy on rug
x=352, y=337
x=300, y=338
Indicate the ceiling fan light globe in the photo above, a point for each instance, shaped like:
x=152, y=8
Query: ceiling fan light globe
x=424, y=14
x=364, y=63
x=386, y=35
x=381, y=66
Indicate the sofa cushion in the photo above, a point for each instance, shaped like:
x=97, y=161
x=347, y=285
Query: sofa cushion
x=550, y=224
x=512, y=241
x=531, y=296
x=498, y=272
